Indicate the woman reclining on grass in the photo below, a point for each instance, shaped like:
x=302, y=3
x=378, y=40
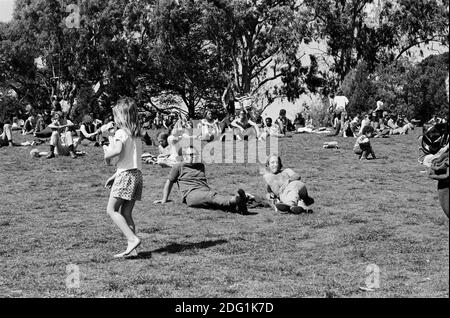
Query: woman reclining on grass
x=284, y=188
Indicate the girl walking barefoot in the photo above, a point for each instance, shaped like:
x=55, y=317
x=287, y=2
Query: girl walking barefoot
x=126, y=183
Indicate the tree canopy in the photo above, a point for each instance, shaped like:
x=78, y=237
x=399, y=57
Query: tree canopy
x=165, y=53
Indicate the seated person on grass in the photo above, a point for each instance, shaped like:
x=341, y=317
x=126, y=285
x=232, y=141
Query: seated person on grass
x=244, y=128
x=284, y=188
x=270, y=129
x=17, y=124
x=284, y=122
x=64, y=126
x=6, y=135
x=89, y=134
x=196, y=193
x=362, y=146
x=43, y=130
x=399, y=126
x=29, y=127
x=209, y=127
x=169, y=152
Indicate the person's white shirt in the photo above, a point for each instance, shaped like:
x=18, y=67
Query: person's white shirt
x=130, y=156
x=340, y=102
x=379, y=105
x=365, y=122
x=355, y=120
x=208, y=128
x=173, y=146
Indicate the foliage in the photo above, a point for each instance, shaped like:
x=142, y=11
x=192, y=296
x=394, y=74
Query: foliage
x=417, y=91
x=352, y=36
x=318, y=109
x=169, y=53
x=10, y=107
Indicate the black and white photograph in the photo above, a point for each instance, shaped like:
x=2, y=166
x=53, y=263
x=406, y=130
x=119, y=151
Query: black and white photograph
x=236, y=151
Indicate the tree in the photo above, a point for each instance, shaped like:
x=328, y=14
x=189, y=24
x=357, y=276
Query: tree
x=414, y=90
x=257, y=42
x=351, y=35
x=424, y=88
x=359, y=88
x=95, y=51
x=179, y=60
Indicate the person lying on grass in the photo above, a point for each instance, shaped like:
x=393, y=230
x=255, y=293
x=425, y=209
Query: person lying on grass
x=284, y=188
x=6, y=139
x=362, y=146
x=196, y=193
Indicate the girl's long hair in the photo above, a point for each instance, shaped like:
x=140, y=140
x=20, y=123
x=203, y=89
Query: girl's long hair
x=126, y=116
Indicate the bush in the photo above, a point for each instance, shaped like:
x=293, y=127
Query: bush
x=10, y=107
x=318, y=109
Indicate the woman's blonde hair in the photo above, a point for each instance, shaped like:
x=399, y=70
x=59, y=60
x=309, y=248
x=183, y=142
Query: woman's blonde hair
x=126, y=116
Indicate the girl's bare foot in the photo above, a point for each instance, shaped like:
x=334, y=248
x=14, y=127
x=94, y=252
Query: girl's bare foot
x=132, y=245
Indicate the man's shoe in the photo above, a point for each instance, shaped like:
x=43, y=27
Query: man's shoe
x=297, y=210
x=50, y=156
x=241, y=202
x=73, y=155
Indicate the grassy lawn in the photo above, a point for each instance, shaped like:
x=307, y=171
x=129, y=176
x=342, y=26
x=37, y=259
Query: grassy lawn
x=383, y=212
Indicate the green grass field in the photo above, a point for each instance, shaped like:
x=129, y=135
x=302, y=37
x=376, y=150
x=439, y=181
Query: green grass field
x=383, y=212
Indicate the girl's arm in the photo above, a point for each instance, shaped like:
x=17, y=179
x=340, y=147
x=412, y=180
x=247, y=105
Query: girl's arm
x=113, y=150
x=110, y=181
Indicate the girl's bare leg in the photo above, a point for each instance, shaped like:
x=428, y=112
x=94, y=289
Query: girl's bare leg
x=126, y=211
x=114, y=205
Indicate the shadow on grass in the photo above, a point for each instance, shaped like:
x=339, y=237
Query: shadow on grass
x=177, y=248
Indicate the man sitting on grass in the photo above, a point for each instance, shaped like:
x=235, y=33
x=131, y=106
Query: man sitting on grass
x=196, y=193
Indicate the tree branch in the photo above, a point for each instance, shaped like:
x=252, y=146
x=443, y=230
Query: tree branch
x=265, y=81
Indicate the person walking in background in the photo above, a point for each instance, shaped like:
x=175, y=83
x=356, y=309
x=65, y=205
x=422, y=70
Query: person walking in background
x=339, y=105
